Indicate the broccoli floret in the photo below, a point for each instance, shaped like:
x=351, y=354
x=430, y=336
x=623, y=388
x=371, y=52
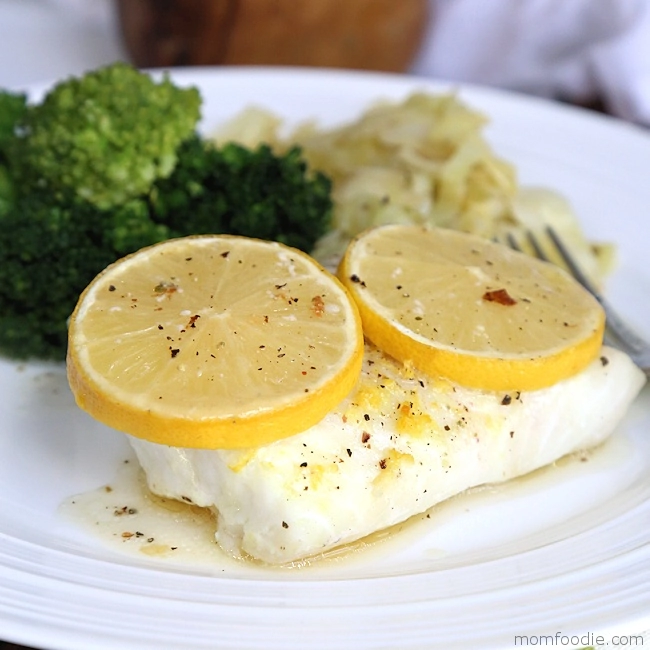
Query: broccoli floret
x=105, y=137
x=132, y=226
x=13, y=107
x=256, y=193
x=6, y=190
x=48, y=254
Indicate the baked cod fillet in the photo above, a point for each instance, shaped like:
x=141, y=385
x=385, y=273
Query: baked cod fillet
x=399, y=444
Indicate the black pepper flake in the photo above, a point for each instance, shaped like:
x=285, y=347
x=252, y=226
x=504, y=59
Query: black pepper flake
x=225, y=255
x=303, y=464
x=506, y=400
x=604, y=361
x=285, y=524
x=111, y=287
x=382, y=463
x=174, y=352
x=349, y=452
x=365, y=436
x=512, y=434
x=357, y=280
x=366, y=417
x=447, y=427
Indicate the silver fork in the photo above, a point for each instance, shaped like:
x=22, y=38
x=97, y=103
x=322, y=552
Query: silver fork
x=617, y=332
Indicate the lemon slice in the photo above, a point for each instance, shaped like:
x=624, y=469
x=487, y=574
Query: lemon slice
x=476, y=312
x=214, y=342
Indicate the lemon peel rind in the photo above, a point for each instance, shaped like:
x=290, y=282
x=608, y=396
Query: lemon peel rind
x=222, y=433
x=472, y=371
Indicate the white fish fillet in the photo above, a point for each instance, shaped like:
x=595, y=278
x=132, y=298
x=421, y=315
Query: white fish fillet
x=399, y=444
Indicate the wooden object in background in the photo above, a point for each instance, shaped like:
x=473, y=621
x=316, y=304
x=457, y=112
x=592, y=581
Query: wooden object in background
x=361, y=34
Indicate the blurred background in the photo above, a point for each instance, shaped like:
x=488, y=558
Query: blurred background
x=588, y=52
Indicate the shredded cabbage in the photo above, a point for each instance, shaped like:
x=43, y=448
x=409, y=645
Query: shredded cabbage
x=422, y=160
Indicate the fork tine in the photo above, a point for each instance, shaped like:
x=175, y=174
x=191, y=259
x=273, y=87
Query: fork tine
x=513, y=243
x=617, y=325
x=571, y=265
x=537, y=248
x=618, y=333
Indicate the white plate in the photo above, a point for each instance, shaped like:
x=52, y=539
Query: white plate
x=564, y=551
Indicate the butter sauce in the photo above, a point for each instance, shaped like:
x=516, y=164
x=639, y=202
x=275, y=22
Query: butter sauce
x=131, y=520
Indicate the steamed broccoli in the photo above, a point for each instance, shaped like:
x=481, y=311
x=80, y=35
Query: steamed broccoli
x=255, y=193
x=111, y=193
x=48, y=254
x=12, y=108
x=105, y=137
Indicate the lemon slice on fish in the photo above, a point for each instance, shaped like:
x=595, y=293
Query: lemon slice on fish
x=214, y=341
x=476, y=312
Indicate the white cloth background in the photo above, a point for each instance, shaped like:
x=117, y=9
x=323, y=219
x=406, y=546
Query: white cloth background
x=42, y=40
x=569, y=49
